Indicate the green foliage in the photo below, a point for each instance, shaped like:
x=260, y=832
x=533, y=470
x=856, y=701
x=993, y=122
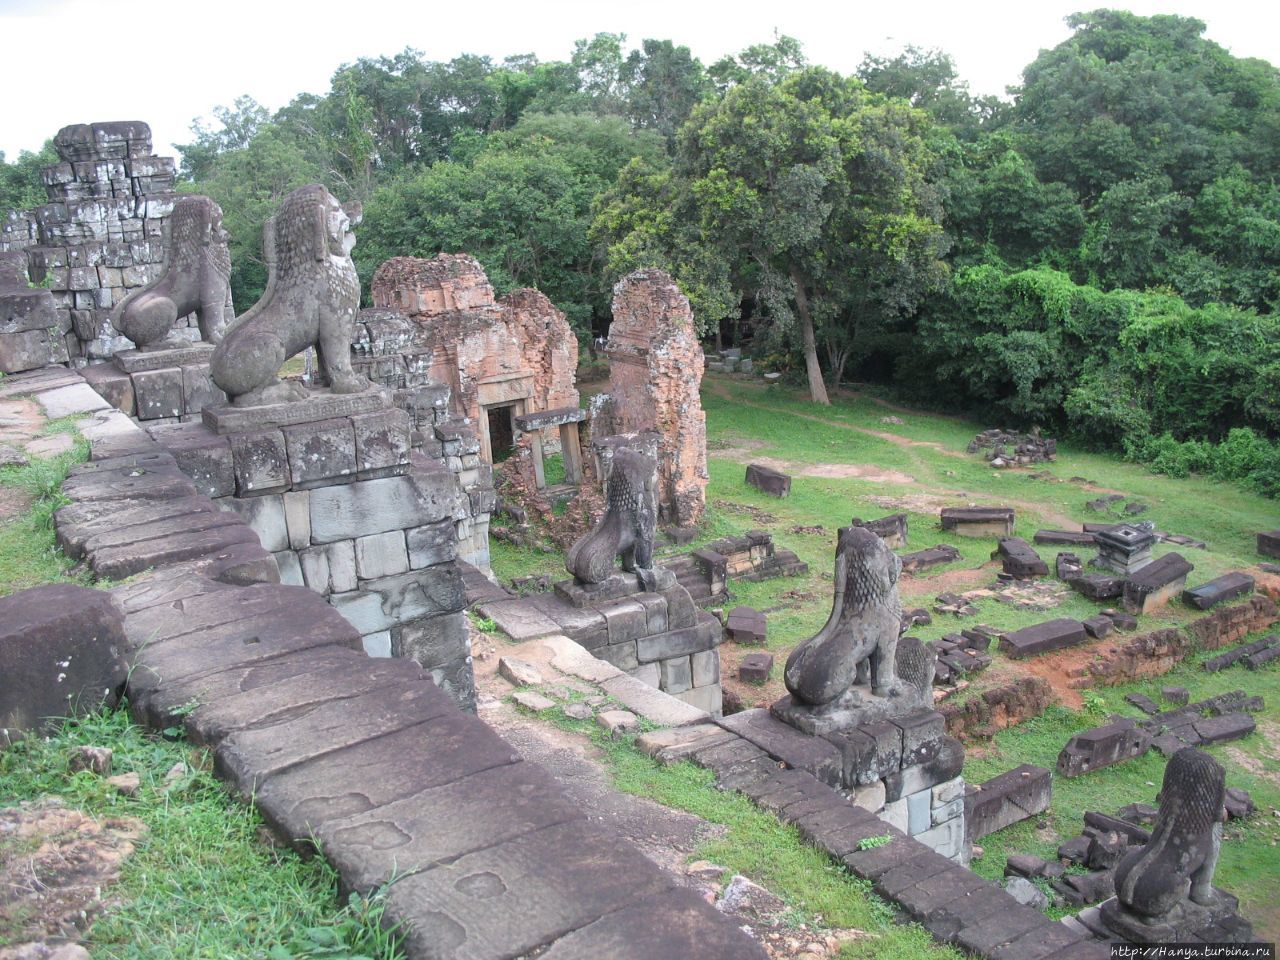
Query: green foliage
x=20, y=185
x=870, y=843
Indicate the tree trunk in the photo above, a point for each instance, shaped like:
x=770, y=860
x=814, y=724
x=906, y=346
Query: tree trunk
x=817, y=389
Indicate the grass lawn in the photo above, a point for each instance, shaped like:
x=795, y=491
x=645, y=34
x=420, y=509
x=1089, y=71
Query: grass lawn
x=851, y=459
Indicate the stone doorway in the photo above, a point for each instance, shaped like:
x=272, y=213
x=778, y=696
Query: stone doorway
x=501, y=431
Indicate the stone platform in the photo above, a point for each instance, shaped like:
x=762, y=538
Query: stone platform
x=659, y=637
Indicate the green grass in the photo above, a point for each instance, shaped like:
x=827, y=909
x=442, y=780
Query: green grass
x=200, y=884
x=757, y=845
x=28, y=553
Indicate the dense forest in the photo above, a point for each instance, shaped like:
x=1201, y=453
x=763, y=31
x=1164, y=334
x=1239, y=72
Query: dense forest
x=1099, y=255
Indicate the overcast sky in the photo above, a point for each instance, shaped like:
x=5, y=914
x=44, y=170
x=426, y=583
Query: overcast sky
x=77, y=61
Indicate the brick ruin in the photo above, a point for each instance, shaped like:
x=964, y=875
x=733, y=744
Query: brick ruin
x=501, y=358
x=655, y=374
x=97, y=239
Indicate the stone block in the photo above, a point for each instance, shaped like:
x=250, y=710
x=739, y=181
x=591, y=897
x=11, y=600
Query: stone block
x=1098, y=627
x=198, y=389
x=655, y=608
x=381, y=442
x=932, y=557
x=627, y=621
x=767, y=480
x=746, y=625
x=24, y=309
x=658, y=707
x=676, y=643
x=676, y=675
x=649, y=673
x=1269, y=543
x=432, y=543
x=1156, y=584
x=1019, y=559
x=1102, y=746
x=376, y=506
x=1220, y=589
x=260, y=462
x=203, y=456
x=265, y=515
x=978, y=521
x=380, y=604
x=381, y=555
x=158, y=393
x=1042, y=638
x=62, y=653
x=918, y=813
x=919, y=728
x=895, y=814
x=783, y=742
x=707, y=699
x=621, y=655
x=870, y=797
x=1007, y=799
x=112, y=384
x=706, y=668
x=925, y=767
x=320, y=452
x=755, y=667
x=329, y=568
x=297, y=516
x=433, y=641
x=290, y=569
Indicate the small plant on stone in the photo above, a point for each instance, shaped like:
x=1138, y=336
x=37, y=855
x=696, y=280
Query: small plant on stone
x=483, y=624
x=870, y=843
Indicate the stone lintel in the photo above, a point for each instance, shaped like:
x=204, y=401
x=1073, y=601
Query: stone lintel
x=138, y=361
x=530, y=422
x=225, y=418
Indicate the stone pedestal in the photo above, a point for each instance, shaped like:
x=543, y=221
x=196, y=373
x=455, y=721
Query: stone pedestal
x=331, y=489
x=1188, y=922
x=156, y=387
x=1125, y=549
x=896, y=762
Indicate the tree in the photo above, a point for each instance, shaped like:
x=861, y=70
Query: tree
x=20, y=185
x=826, y=191
x=664, y=83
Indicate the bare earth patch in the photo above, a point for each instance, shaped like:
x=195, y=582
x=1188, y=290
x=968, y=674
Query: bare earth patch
x=56, y=868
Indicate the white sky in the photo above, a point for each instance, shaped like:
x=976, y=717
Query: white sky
x=78, y=61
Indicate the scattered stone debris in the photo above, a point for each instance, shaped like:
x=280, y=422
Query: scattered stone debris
x=755, y=667
x=746, y=625
x=58, y=873
x=1026, y=892
x=1229, y=586
x=126, y=784
x=1019, y=559
x=955, y=605
x=923, y=559
x=814, y=531
x=978, y=521
x=11, y=456
x=97, y=760
x=762, y=517
x=891, y=529
x=532, y=701
x=1004, y=448
x=518, y=672
x=1252, y=654
x=618, y=722
x=768, y=480
x=578, y=711
x=892, y=421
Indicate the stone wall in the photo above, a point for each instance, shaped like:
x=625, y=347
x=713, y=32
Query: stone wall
x=519, y=349
x=349, y=509
x=1156, y=653
x=993, y=710
x=655, y=373
x=97, y=239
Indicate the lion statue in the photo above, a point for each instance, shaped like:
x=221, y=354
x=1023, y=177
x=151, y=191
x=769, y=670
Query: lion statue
x=312, y=297
x=1179, y=859
x=196, y=279
x=859, y=642
x=627, y=527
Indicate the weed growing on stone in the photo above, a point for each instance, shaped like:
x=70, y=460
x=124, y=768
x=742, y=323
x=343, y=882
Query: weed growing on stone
x=29, y=555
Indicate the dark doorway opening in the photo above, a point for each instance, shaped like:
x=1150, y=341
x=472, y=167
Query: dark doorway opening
x=501, y=432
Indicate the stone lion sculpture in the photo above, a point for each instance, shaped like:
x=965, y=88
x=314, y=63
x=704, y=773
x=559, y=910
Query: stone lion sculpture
x=196, y=279
x=858, y=644
x=627, y=528
x=1179, y=859
x=312, y=297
